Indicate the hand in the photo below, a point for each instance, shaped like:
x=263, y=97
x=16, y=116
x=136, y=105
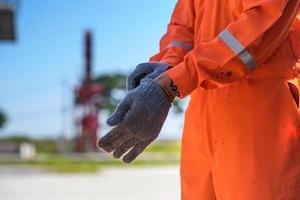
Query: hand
x=138, y=120
x=149, y=70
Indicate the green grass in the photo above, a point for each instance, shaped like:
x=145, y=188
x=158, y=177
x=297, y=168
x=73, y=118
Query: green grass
x=164, y=147
x=58, y=166
x=69, y=166
x=157, y=154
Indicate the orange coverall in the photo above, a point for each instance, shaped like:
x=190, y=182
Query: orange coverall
x=235, y=58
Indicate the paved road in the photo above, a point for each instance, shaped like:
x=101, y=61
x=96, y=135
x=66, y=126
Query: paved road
x=160, y=183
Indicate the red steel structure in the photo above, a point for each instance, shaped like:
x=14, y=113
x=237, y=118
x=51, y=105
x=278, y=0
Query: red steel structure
x=88, y=98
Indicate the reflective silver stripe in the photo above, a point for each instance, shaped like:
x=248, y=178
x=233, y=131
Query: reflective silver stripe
x=181, y=44
x=238, y=48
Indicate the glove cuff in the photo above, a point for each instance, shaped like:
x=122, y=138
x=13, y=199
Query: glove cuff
x=168, y=86
x=164, y=65
x=152, y=87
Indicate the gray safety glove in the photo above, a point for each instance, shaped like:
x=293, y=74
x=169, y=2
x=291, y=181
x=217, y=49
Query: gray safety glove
x=138, y=120
x=149, y=70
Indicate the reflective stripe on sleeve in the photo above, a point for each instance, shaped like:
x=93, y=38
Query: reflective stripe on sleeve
x=239, y=49
x=181, y=44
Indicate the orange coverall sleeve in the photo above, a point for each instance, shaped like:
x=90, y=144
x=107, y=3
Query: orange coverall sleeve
x=245, y=44
x=179, y=39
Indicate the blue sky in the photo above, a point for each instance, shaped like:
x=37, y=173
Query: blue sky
x=39, y=71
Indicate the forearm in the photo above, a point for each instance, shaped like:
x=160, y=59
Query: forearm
x=244, y=45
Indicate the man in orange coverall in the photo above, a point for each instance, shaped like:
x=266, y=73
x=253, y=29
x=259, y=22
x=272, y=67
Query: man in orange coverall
x=236, y=59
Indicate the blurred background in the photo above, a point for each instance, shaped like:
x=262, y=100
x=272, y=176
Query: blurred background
x=63, y=70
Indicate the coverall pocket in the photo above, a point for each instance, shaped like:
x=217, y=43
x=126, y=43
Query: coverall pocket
x=294, y=93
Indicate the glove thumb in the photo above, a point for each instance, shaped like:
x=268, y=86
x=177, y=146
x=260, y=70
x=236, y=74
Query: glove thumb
x=138, y=74
x=119, y=113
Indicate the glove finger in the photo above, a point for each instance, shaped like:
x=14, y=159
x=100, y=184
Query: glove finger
x=113, y=139
x=119, y=113
x=139, y=73
x=135, y=81
x=135, y=151
x=123, y=148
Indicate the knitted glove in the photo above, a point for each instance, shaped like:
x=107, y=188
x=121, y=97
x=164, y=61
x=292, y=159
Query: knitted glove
x=149, y=70
x=138, y=120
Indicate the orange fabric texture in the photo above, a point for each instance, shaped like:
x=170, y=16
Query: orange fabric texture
x=238, y=147
x=260, y=26
x=241, y=137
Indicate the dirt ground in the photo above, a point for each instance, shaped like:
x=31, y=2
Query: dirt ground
x=157, y=183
